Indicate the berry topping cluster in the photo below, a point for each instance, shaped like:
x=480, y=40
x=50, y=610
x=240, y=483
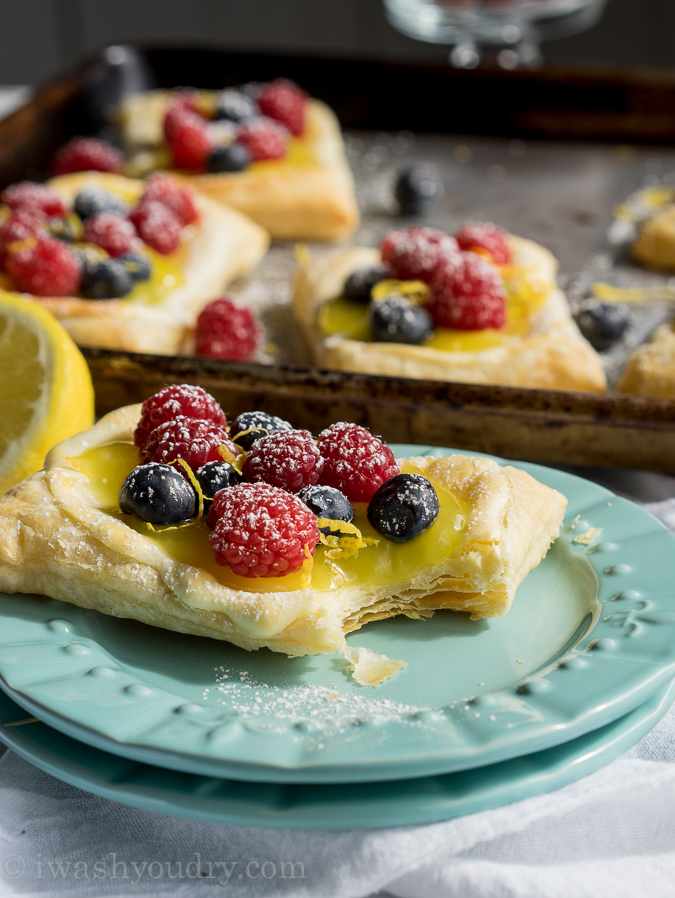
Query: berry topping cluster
x=269, y=492
x=461, y=285
x=97, y=249
x=249, y=124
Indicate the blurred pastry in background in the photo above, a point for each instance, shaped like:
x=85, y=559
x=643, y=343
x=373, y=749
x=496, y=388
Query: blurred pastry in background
x=480, y=307
x=266, y=149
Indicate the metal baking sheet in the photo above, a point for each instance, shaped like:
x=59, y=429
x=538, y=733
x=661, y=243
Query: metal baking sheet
x=546, y=155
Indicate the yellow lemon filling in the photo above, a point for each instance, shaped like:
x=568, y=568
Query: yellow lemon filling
x=167, y=274
x=379, y=562
x=524, y=297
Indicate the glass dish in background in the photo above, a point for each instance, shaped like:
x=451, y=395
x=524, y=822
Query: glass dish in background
x=511, y=30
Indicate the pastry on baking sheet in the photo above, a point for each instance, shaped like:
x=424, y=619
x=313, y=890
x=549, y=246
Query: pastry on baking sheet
x=520, y=333
x=293, y=179
x=62, y=534
x=650, y=370
x=654, y=245
x=160, y=305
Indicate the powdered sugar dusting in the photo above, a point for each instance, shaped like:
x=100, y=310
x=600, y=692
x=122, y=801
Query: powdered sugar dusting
x=319, y=713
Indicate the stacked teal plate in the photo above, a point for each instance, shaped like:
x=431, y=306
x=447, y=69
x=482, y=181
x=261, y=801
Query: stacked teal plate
x=579, y=668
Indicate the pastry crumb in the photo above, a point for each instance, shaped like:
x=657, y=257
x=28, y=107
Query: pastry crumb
x=587, y=537
x=370, y=669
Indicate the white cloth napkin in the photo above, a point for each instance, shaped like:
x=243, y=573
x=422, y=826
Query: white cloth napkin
x=611, y=833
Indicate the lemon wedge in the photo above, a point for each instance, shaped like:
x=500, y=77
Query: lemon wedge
x=46, y=393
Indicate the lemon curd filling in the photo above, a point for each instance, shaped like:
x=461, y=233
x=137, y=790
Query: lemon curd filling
x=167, y=270
x=381, y=564
x=300, y=151
x=524, y=297
x=167, y=274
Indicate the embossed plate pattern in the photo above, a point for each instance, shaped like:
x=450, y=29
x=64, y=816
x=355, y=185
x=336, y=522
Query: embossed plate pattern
x=591, y=636
x=343, y=806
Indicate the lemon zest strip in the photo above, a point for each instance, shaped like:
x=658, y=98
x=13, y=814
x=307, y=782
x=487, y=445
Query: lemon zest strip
x=307, y=565
x=416, y=291
x=345, y=541
x=631, y=294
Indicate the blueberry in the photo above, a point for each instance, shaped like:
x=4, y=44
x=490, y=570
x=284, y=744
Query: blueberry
x=158, y=494
x=232, y=158
x=602, y=324
x=327, y=502
x=259, y=424
x=92, y=200
x=106, y=279
x=360, y=283
x=397, y=320
x=137, y=266
x=234, y=106
x=214, y=476
x=404, y=507
x=417, y=189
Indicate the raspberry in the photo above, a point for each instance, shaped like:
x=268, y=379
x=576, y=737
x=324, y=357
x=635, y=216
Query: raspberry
x=263, y=138
x=87, y=154
x=163, y=188
x=485, y=236
x=173, y=401
x=190, y=141
x=468, y=295
x=285, y=102
x=227, y=330
x=357, y=463
x=157, y=226
x=112, y=231
x=195, y=441
x=288, y=459
x=17, y=227
x=180, y=102
x=262, y=531
x=415, y=253
x=28, y=196
x=45, y=267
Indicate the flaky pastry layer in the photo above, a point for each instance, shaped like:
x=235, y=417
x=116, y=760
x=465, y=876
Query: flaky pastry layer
x=309, y=201
x=225, y=246
x=551, y=355
x=56, y=540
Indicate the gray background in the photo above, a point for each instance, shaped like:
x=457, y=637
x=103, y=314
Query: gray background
x=39, y=38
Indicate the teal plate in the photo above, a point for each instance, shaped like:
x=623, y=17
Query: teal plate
x=590, y=637
x=343, y=806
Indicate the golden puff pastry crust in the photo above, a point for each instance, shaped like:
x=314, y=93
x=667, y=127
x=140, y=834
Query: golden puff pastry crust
x=57, y=539
x=655, y=244
x=223, y=246
x=303, y=200
x=650, y=370
x=551, y=355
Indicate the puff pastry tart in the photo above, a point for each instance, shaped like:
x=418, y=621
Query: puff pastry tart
x=265, y=149
x=261, y=573
x=655, y=244
x=121, y=263
x=484, y=308
x=650, y=370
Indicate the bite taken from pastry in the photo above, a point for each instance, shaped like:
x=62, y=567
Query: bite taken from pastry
x=262, y=535
x=480, y=307
x=122, y=263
